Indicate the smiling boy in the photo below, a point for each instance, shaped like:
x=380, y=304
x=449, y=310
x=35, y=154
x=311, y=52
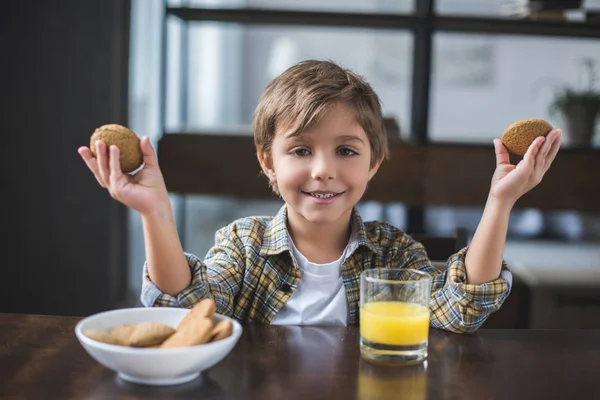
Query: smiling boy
x=319, y=139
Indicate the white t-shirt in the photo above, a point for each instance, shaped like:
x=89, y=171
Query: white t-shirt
x=319, y=299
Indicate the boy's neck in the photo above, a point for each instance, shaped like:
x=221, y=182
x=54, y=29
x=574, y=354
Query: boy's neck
x=319, y=243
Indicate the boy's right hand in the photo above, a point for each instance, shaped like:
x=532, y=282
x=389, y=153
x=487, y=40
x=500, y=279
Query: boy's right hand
x=144, y=191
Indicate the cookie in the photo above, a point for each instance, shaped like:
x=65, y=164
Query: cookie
x=518, y=137
x=204, y=309
x=127, y=142
x=221, y=330
x=101, y=336
x=196, y=331
x=122, y=333
x=150, y=334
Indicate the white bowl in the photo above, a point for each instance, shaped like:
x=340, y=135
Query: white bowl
x=153, y=366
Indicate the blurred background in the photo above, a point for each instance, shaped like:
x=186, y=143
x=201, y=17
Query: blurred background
x=452, y=75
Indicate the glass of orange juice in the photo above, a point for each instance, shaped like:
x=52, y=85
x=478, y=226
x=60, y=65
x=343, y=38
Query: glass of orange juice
x=394, y=315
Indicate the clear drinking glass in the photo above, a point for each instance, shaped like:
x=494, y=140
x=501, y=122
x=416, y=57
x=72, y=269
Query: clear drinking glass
x=394, y=315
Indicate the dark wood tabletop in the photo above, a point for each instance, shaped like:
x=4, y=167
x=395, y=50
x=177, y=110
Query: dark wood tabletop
x=40, y=358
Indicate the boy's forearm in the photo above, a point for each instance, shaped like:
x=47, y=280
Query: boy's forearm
x=167, y=266
x=483, y=261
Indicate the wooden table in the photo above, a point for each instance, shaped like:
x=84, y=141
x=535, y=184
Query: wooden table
x=40, y=358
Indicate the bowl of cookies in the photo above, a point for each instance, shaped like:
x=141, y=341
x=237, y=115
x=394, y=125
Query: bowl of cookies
x=159, y=345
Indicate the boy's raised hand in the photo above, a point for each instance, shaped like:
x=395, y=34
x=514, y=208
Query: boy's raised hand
x=142, y=191
x=510, y=182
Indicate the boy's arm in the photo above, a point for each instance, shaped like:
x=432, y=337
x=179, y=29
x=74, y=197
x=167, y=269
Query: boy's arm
x=166, y=264
x=509, y=183
x=483, y=261
x=218, y=277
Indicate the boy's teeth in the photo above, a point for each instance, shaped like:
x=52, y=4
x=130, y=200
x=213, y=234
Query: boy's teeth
x=322, y=196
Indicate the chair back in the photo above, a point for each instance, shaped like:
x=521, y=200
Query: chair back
x=439, y=248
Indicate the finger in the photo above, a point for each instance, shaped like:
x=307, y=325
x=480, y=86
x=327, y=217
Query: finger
x=114, y=167
x=102, y=157
x=91, y=162
x=533, y=150
x=148, y=153
x=540, y=158
x=553, y=151
x=502, y=157
x=528, y=161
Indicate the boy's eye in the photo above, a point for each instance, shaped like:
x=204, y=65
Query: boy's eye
x=301, y=152
x=345, y=151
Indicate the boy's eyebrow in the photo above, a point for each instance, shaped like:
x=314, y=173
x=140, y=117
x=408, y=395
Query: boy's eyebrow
x=344, y=138
x=291, y=134
x=350, y=138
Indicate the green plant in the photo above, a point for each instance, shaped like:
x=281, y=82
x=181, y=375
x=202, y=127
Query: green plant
x=588, y=96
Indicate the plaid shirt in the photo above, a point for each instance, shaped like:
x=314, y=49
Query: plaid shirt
x=250, y=274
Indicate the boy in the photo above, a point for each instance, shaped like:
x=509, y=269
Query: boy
x=319, y=139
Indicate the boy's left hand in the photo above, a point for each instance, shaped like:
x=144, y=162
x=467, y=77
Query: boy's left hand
x=510, y=182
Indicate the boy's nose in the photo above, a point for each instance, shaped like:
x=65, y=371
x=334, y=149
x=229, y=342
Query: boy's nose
x=323, y=169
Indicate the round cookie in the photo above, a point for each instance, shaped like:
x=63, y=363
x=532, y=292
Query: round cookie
x=127, y=142
x=518, y=136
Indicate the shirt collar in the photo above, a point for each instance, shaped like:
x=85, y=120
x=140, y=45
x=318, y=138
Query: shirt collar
x=358, y=236
x=275, y=239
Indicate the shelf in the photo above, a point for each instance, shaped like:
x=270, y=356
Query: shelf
x=290, y=17
x=516, y=27
x=390, y=21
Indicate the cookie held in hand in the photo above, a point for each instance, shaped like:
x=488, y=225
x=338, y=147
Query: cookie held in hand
x=130, y=154
x=518, y=137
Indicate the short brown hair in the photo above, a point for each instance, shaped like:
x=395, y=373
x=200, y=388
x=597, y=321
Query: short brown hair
x=305, y=91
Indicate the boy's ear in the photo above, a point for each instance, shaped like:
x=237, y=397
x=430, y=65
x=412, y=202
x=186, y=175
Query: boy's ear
x=375, y=167
x=266, y=163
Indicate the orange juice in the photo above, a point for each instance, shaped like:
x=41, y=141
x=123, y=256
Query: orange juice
x=394, y=323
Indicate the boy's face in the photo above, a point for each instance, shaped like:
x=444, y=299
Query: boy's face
x=323, y=172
